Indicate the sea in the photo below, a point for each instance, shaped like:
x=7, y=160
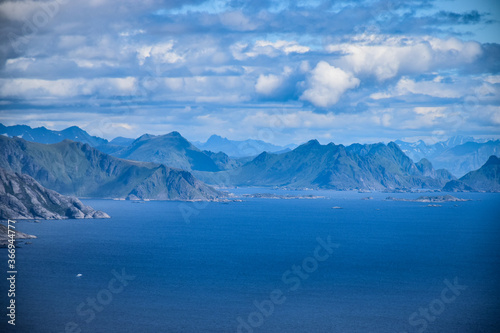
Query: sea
x=339, y=263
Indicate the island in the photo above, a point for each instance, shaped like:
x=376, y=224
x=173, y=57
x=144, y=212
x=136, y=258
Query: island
x=437, y=198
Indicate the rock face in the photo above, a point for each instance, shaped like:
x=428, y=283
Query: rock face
x=355, y=167
x=22, y=197
x=78, y=169
x=485, y=179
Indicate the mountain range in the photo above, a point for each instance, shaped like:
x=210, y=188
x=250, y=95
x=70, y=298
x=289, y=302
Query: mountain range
x=170, y=149
x=78, y=169
x=355, y=167
x=22, y=197
x=162, y=166
x=458, y=154
x=44, y=135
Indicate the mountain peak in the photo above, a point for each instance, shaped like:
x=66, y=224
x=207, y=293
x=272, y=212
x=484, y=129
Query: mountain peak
x=73, y=129
x=145, y=137
x=493, y=160
x=313, y=142
x=425, y=161
x=216, y=139
x=175, y=133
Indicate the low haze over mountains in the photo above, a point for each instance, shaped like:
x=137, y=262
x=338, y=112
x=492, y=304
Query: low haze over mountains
x=240, y=148
x=458, y=154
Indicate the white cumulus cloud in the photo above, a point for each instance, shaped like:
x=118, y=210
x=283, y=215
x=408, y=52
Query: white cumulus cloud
x=327, y=83
x=268, y=84
x=161, y=52
x=386, y=57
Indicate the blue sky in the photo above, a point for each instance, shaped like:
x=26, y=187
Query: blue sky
x=279, y=71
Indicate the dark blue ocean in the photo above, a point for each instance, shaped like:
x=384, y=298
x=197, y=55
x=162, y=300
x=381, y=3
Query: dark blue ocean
x=186, y=267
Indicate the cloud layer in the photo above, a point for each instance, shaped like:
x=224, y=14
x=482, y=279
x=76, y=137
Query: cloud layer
x=285, y=71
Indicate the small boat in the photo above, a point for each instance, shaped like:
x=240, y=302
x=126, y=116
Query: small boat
x=336, y=207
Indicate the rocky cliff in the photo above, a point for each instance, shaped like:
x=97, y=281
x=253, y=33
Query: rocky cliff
x=22, y=197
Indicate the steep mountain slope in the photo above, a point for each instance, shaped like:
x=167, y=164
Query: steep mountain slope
x=486, y=178
x=74, y=168
x=22, y=197
x=43, y=135
x=170, y=149
x=361, y=167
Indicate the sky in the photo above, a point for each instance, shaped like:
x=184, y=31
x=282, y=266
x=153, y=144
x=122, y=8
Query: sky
x=279, y=71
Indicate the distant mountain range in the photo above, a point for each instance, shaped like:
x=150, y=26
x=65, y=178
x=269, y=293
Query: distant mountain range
x=43, y=135
x=485, y=179
x=458, y=154
x=244, y=148
x=22, y=197
x=78, y=169
x=355, y=167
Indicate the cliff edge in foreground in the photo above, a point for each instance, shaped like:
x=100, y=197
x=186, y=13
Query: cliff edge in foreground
x=22, y=197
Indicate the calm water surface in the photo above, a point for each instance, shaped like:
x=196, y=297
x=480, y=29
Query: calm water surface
x=201, y=273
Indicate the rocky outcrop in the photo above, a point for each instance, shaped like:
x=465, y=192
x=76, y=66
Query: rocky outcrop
x=4, y=235
x=22, y=197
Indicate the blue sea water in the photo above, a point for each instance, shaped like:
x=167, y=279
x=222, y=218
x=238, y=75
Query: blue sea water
x=198, y=267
